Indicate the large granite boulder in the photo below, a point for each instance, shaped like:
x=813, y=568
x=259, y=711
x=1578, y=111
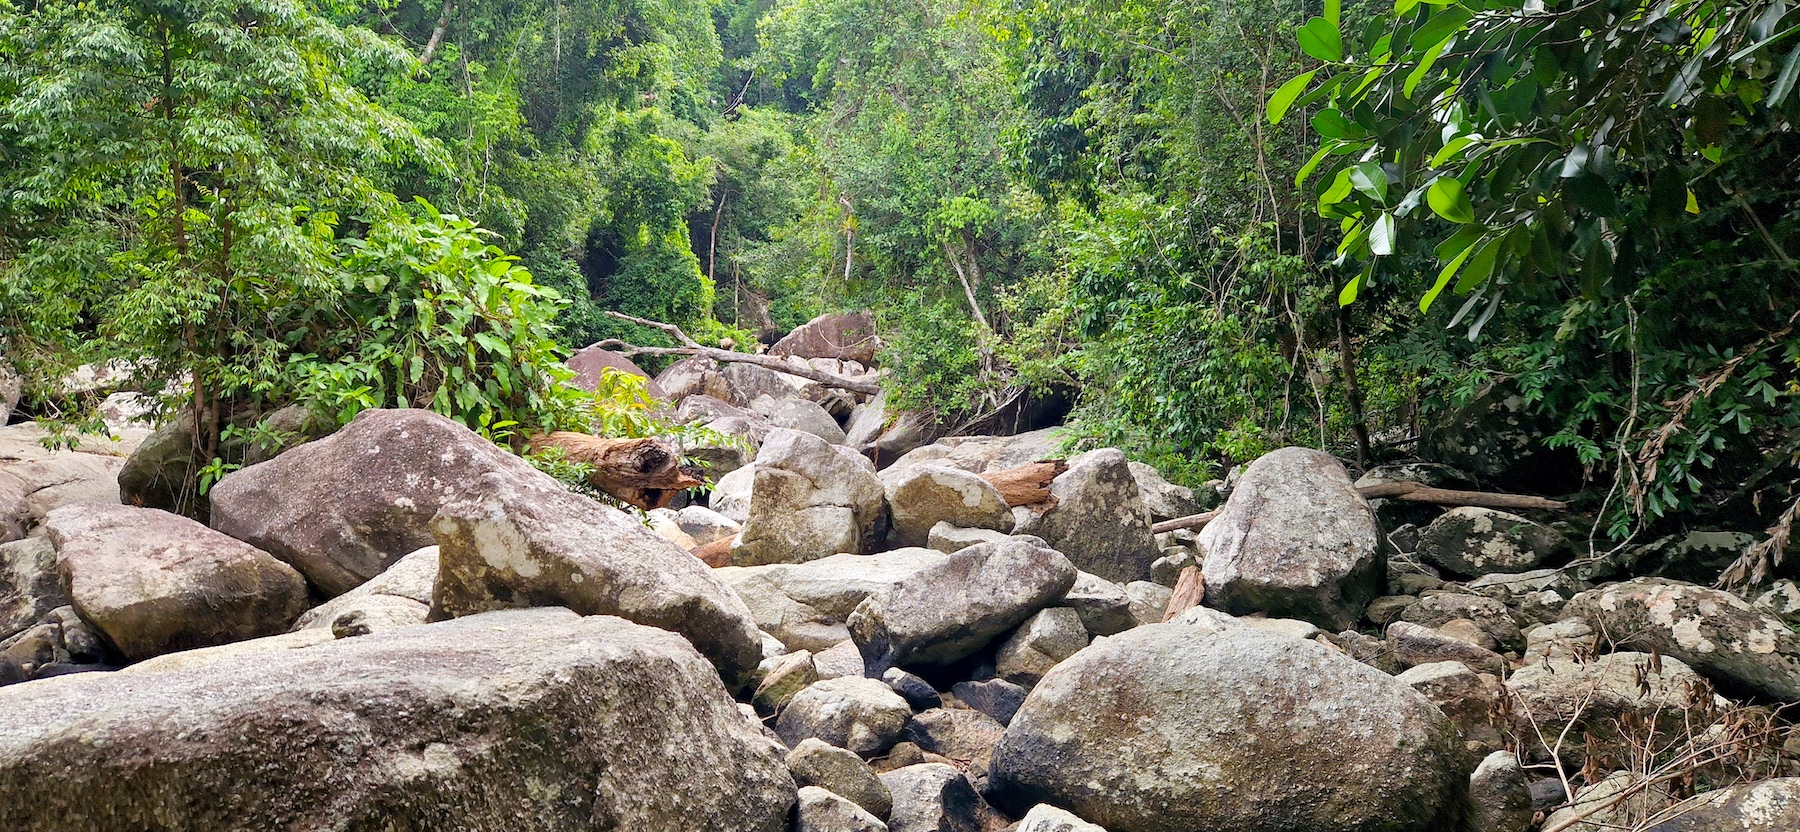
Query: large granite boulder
x=399, y=597
x=590, y=363
x=921, y=496
x=1719, y=634
x=35, y=481
x=1099, y=520
x=947, y=611
x=932, y=797
x=1205, y=723
x=1295, y=540
x=1767, y=806
x=845, y=336
x=533, y=719
x=1592, y=702
x=804, y=605
x=800, y=415
x=814, y=762
x=1476, y=541
x=155, y=582
x=342, y=509
x=809, y=501
x=988, y=454
x=885, y=437
x=853, y=713
x=520, y=539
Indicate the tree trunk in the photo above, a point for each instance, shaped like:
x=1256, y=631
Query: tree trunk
x=437, y=34
x=1359, y=426
x=646, y=473
x=1028, y=484
x=694, y=348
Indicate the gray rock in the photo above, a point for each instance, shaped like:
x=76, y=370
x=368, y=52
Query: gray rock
x=1047, y=818
x=591, y=363
x=862, y=715
x=1570, y=639
x=344, y=508
x=705, y=525
x=800, y=415
x=1296, y=541
x=30, y=586
x=1166, y=570
x=922, y=496
x=987, y=454
x=162, y=471
x=398, y=597
x=917, y=692
x=1716, y=632
x=1047, y=637
x=1424, y=473
x=1500, y=800
x=947, y=538
x=1099, y=521
x=35, y=481
x=59, y=641
x=741, y=383
x=731, y=493
x=11, y=388
x=883, y=439
x=1488, y=614
x=694, y=376
x=1194, y=726
x=1104, y=607
x=1596, y=695
x=783, y=677
x=819, y=810
x=809, y=501
x=1148, y=601
x=1466, y=697
x=1602, y=810
x=1696, y=557
x=964, y=736
x=155, y=582
x=932, y=797
x=1513, y=587
x=814, y=762
x=520, y=539
x=1474, y=541
x=805, y=604
x=839, y=661
x=950, y=610
x=1407, y=576
x=1413, y=645
x=1388, y=608
x=846, y=336
x=1163, y=499
x=535, y=717
x=997, y=698
x=1768, y=806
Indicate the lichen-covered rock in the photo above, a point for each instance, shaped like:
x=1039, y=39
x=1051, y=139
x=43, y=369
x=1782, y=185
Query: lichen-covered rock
x=809, y=501
x=520, y=539
x=1514, y=587
x=921, y=496
x=819, y=810
x=1768, y=806
x=1499, y=799
x=521, y=719
x=30, y=586
x=986, y=454
x=1099, y=520
x=1716, y=632
x=932, y=797
x=1227, y=728
x=344, y=508
x=814, y=762
x=155, y=582
x=805, y=604
x=1047, y=637
x=783, y=677
x=398, y=597
x=951, y=609
x=1475, y=541
x=1597, y=695
x=1296, y=541
x=862, y=715
x=1570, y=638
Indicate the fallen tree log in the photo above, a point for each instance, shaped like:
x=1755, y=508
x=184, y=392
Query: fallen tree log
x=690, y=347
x=1028, y=484
x=646, y=473
x=1408, y=491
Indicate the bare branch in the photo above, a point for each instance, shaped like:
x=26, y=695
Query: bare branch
x=694, y=348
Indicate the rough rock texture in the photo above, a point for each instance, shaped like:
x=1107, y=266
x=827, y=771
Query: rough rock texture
x=1104, y=607
x=997, y=698
x=947, y=538
x=800, y=415
x=986, y=454
x=921, y=496
x=590, y=362
x=161, y=472
x=1768, y=806
x=342, y=509
x=705, y=525
x=1489, y=615
x=30, y=586
x=1474, y=541
x=398, y=597
x=932, y=797
x=809, y=501
x=820, y=810
x=1514, y=587
x=839, y=660
x=783, y=677
x=1148, y=601
x=1569, y=639
x=1414, y=644
x=731, y=494
x=873, y=435
x=35, y=481
x=950, y=610
x=862, y=715
x=1047, y=637
x=1229, y=729
x=846, y=336
x=1499, y=799
x=1099, y=521
x=917, y=692
x=964, y=736
x=11, y=387
x=805, y=604
x=1718, y=633
x=1466, y=697
x=1046, y=818
x=155, y=582
x=1596, y=695
x=523, y=719
x=815, y=762
x=1295, y=540
x=1163, y=499
x=520, y=539
x=58, y=641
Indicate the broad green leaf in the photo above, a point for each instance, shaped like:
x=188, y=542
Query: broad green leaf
x=1340, y=188
x=1419, y=72
x=1481, y=267
x=1285, y=95
x=1312, y=164
x=1451, y=149
x=1320, y=39
x=1347, y=295
x=1443, y=23
x=1784, y=83
x=1444, y=276
x=1334, y=8
x=1370, y=179
x=1448, y=200
x=1381, y=236
x=1401, y=7
x=1693, y=204
x=1331, y=124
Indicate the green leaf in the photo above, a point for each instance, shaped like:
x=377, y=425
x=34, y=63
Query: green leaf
x=1331, y=124
x=1347, y=295
x=1448, y=200
x=1370, y=179
x=1401, y=7
x=1381, y=236
x=1320, y=39
x=1419, y=72
x=1445, y=274
x=1285, y=95
x=1451, y=149
x=1693, y=204
x=1443, y=23
x=1784, y=83
x=1312, y=164
x=1340, y=188
x=1481, y=266
x=1334, y=8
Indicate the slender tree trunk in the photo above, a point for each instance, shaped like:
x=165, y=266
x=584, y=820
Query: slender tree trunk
x=437, y=34
x=1359, y=426
x=968, y=284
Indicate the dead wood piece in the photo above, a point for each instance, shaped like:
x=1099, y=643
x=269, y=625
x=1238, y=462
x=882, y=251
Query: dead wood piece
x=1028, y=484
x=716, y=553
x=1190, y=588
x=1192, y=521
x=690, y=347
x=646, y=473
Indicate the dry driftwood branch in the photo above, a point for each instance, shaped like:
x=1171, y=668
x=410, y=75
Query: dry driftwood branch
x=1028, y=484
x=646, y=473
x=1190, y=589
x=1409, y=491
x=691, y=347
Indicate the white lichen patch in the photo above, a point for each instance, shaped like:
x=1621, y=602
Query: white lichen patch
x=504, y=548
